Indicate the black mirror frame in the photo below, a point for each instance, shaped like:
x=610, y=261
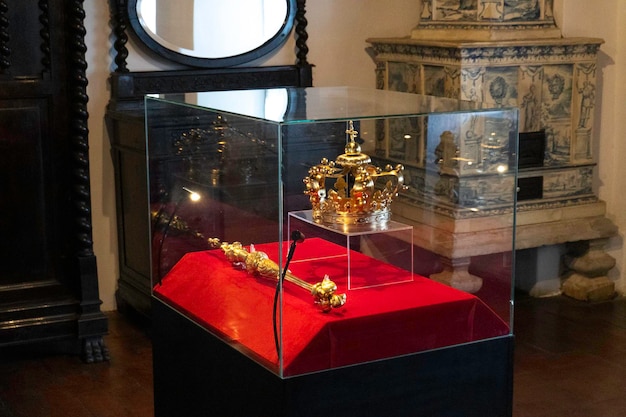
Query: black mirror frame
x=276, y=41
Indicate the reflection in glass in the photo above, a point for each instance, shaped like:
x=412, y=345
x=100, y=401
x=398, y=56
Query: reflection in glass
x=268, y=104
x=212, y=28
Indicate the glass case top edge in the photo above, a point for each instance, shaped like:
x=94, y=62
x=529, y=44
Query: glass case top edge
x=323, y=104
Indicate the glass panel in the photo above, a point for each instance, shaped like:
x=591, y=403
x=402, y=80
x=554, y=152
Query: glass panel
x=306, y=176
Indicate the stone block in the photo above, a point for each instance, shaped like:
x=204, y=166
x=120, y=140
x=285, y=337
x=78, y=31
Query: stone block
x=589, y=289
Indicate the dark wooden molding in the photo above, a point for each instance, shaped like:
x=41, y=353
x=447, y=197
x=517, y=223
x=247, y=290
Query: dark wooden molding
x=302, y=50
x=90, y=318
x=79, y=132
x=135, y=85
x=5, y=48
x=119, y=24
x=44, y=19
x=301, y=34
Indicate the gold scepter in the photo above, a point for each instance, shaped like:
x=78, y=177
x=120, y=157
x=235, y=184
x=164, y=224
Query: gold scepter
x=258, y=263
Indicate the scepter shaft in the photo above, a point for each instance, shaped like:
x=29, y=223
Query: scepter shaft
x=258, y=263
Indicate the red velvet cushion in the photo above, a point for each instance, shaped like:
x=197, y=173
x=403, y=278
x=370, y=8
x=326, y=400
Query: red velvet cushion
x=375, y=323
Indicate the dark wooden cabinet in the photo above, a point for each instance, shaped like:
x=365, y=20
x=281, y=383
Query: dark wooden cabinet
x=48, y=273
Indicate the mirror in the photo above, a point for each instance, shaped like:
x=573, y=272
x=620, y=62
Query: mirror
x=212, y=33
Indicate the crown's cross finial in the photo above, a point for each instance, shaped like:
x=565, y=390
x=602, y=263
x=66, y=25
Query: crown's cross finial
x=353, y=149
x=351, y=132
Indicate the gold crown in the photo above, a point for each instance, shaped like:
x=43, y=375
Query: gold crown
x=362, y=193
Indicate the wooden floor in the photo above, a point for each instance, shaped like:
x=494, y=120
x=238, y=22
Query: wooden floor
x=570, y=358
x=36, y=385
x=570, y=361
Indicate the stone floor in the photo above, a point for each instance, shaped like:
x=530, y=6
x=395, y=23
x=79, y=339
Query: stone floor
x=570, y=360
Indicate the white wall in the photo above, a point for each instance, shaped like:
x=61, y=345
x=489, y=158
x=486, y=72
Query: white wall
x=101, y=166
x=337, y=32
x=605, y=19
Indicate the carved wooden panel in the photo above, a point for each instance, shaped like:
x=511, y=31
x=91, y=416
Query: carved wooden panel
x=22, y=194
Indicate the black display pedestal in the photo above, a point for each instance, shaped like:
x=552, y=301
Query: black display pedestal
x=197, y=374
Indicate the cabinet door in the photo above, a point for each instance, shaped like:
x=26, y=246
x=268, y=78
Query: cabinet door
x=22, y=175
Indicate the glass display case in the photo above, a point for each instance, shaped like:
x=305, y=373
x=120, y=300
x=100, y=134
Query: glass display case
x=274, y=227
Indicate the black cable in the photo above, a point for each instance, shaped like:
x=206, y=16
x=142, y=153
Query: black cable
x=296, y=237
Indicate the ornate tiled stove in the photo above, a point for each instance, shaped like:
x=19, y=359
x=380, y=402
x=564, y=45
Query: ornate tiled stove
x=511, y=54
